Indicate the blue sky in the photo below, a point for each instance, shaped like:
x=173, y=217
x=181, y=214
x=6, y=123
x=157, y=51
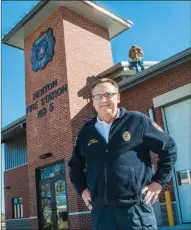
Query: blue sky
x=161, y=28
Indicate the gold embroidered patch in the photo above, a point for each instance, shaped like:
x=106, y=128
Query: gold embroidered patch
x=157, y=126
x=126, y=136
x=92, y=141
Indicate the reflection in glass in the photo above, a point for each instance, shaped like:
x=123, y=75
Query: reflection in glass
x=46, y=206
x=52, y=171
x=62, y=214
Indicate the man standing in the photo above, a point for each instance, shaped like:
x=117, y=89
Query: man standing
x=111, y=166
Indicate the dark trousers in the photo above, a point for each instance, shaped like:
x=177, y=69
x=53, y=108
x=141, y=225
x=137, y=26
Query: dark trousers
x=140, y=63
x=136, y=217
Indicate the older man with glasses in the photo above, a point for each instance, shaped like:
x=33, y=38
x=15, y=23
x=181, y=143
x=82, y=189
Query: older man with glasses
x=111, y=166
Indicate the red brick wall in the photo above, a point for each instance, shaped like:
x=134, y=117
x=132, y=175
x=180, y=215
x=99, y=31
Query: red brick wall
x=34, y=224
x=82, y=221
x=139, y=98
x=82, y=49
x=17, y=179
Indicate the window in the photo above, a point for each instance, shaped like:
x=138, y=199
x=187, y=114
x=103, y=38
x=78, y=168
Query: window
x=52, y=171
x=17, y=207
x=151, y=113
x=15, y=153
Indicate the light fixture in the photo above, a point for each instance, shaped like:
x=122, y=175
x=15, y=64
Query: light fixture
x=45, y=155
x=7, y=187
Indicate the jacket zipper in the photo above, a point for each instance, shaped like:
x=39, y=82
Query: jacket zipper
x=135, y=182
x=105, y=189
x=113, y=125
x=105, y=165
x=95, y=130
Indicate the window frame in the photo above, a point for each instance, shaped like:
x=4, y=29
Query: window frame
x=151, y=113
x=17, y=208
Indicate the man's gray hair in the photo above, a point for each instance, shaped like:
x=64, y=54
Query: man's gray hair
x=103, y=80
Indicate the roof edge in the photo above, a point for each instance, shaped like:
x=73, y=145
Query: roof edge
x=13, y=124
x=24, y=20
x=5, y=39
x=158, y=68
x=126, y=22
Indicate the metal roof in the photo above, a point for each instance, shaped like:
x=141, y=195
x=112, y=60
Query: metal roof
x=15, y=128
x=88, y=9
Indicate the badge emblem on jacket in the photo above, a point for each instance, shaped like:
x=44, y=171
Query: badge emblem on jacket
x=126, y=136
x=93, y=141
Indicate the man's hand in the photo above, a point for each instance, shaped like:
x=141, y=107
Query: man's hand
x=152, y=192
x=87, y=199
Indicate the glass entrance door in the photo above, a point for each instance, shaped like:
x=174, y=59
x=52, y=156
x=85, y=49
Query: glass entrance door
x=53, y=199
x=61, y=205
x=46, y=203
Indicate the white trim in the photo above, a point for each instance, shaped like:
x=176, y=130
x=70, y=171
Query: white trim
x=172, y=95
x=40, y=13
x=126, y=22
x=13, y=124
x=79, y=213
x=15, y=167
x=31, y=217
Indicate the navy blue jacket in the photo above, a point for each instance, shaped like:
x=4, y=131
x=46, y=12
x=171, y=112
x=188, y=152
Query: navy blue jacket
x=116, y=172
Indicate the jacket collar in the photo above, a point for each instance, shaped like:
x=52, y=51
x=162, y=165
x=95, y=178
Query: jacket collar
x=99, y=122
x=122, y=112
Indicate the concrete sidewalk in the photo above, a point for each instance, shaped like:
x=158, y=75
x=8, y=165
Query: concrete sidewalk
x=176, y=227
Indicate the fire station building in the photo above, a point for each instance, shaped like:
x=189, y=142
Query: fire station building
x=67, y=46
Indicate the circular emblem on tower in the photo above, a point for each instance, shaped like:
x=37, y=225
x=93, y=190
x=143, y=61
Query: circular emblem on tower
x=43, y=50
x=126, y=136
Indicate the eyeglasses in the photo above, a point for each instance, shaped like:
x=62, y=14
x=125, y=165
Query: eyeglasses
x=106, y=95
